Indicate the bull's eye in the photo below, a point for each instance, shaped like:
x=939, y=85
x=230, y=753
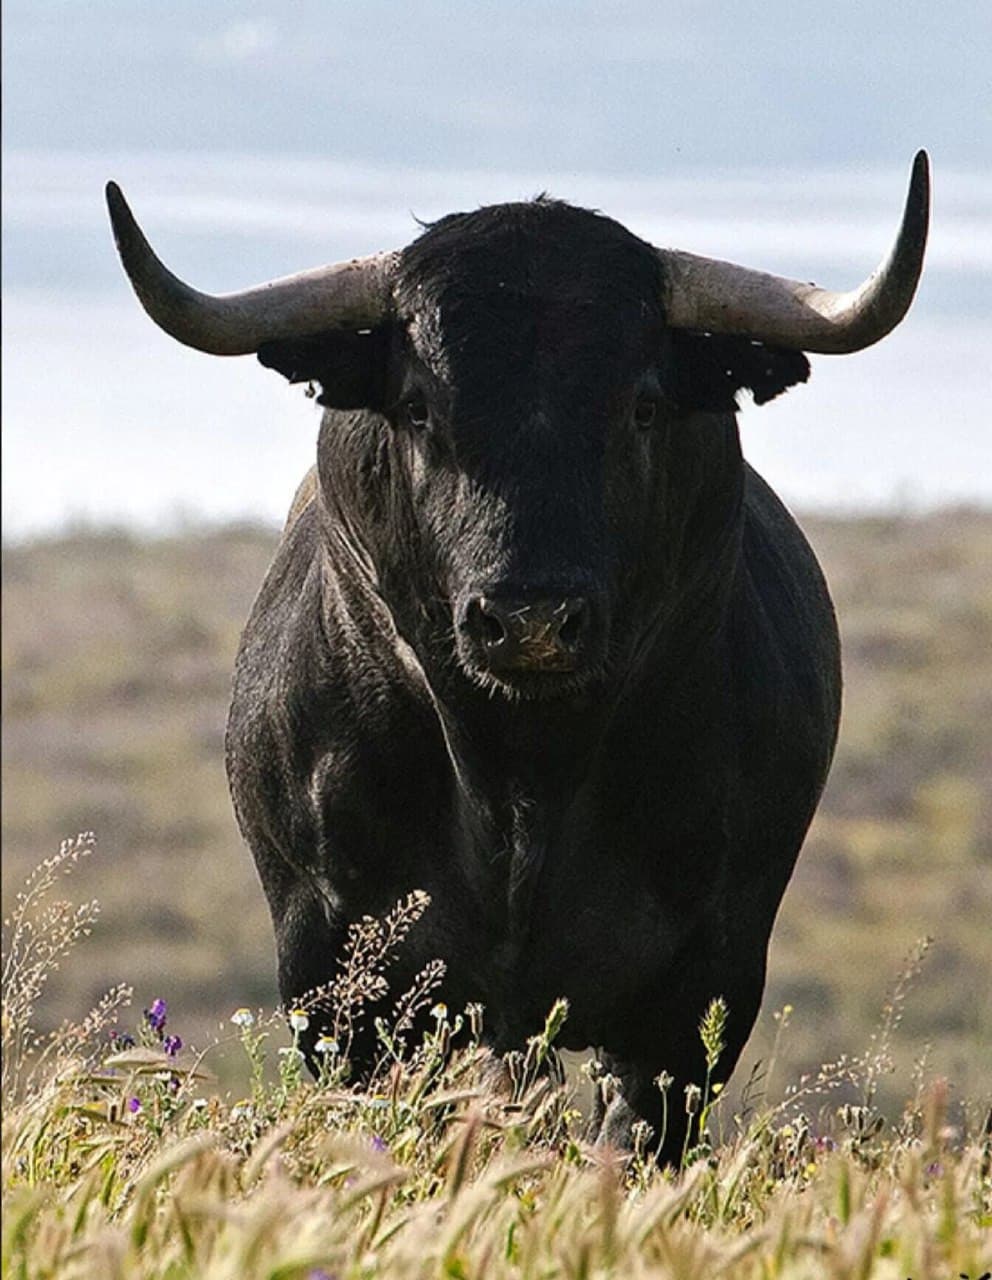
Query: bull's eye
x=415, y=412
x=645, y=412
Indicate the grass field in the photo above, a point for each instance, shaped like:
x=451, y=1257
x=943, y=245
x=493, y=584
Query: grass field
x=120, y=1161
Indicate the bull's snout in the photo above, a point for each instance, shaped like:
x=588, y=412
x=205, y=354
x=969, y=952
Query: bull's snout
x=520, y=634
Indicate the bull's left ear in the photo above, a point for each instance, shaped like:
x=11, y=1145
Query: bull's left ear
x=711, y=368
x=350, y=367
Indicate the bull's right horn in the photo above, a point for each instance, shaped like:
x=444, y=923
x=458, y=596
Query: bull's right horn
x=344, y=295
x=719, y=297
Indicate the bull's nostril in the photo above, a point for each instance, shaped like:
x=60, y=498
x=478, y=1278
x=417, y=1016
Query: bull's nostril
x=570, y=631
x=493, y=631
x=483, y=620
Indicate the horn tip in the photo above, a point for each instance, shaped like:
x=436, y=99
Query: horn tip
x=120, y=211
x=919, y=191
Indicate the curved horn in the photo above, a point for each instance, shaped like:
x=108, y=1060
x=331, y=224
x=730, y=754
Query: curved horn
x=718, y=297
x=344, y=295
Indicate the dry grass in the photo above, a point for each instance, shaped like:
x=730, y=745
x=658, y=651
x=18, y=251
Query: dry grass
x=121, y=1161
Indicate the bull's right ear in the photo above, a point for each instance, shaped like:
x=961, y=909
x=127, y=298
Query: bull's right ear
x=350, y=367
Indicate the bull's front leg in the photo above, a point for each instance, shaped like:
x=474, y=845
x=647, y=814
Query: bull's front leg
x=651, y=1083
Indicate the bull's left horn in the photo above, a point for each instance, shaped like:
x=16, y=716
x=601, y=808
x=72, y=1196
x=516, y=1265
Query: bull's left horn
x=718, y=297
x=344, y=295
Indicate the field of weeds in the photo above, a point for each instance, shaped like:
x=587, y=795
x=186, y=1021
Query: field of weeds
x=120, y=1162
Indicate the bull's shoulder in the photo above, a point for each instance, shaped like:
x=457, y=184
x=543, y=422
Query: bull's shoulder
x=784, y=620
x=306, y=493
x=780, y=564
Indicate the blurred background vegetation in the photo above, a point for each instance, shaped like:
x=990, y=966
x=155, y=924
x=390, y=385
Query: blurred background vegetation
x=117, y=653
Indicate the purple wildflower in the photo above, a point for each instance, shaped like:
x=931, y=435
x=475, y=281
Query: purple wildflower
x=379, y=1144
x=935, y=1169
x=134, y=1104
x=121, y=1040
x=155, y=1016
x=172, y=1045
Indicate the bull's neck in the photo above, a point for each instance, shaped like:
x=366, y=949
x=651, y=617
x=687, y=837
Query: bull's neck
x=536, y=749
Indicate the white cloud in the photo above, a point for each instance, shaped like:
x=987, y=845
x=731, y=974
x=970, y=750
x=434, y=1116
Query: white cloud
x=239, y=41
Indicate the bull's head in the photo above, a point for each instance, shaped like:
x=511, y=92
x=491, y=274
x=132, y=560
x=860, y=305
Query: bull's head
x=520, y=427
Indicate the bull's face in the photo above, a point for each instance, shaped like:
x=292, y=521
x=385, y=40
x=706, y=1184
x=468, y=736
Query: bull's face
x=529, y=451
x=529, y=412
x=532, y=454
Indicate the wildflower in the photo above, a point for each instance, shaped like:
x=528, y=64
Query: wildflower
x=475, y=1014
x=935, y=1169
x=326, y=1044
x=134, y=1105
x=172, y=1045
x=299, y=1019
x=155, y=1015
x=243, y=1017
x=291, y=1051
x=379, y=1144
x=121, y=1040
x=241, y=1110
x=440, y=1011
x=693, y=1093
x=199, y=1104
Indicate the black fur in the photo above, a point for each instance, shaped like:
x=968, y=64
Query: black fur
x=350, y=367
x=619, y=832
x=710, y=369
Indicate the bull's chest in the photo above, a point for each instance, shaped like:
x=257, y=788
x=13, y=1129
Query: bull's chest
x=566, y=901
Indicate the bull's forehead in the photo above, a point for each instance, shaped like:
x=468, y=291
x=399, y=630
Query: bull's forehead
x=541, y=269
x=485, y=343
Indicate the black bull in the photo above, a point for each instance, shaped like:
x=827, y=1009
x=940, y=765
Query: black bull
x=536, y=640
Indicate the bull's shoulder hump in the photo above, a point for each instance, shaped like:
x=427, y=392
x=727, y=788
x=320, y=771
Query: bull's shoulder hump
x=785, y=600
x=773, y=536
x=306, y=493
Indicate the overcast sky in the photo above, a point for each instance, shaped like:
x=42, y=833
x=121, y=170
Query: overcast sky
x=256, y=139
x=644, y=87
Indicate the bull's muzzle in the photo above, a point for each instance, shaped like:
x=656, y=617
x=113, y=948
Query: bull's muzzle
x=506, y=634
